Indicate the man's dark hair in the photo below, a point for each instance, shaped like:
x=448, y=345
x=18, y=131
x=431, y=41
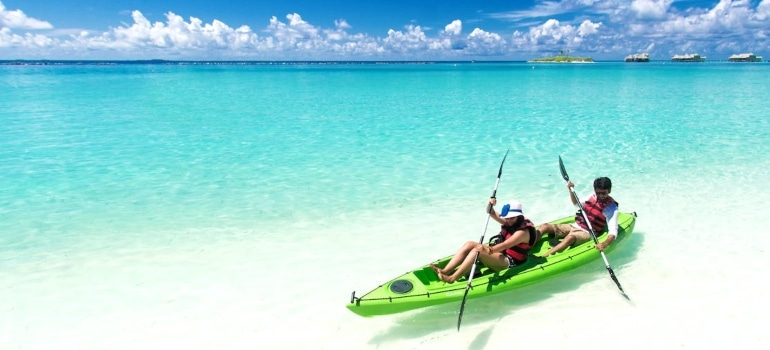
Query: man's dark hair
x=603, y=183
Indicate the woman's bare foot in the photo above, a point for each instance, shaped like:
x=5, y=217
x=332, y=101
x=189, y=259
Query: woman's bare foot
x=435, y=269
x=445, y=278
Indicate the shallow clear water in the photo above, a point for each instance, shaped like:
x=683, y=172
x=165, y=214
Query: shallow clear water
x=150, y=206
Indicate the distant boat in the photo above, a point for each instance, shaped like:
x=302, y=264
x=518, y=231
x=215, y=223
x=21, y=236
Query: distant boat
x=688, y=58
x=745, y=57
x=639, y=57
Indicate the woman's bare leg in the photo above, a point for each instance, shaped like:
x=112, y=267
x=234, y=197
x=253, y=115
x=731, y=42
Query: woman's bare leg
x=461, y=255
x=466, y=265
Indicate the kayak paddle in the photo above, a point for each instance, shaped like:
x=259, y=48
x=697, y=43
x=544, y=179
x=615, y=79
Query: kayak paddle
x=481, y=241
x=590, y=229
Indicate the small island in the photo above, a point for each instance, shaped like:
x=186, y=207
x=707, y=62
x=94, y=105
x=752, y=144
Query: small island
x=562, y=58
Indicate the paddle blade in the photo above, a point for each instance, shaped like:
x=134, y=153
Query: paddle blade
x=460, y=318
x=563, y=171
x=500, y=172
x=617, y=283
x=462, y=307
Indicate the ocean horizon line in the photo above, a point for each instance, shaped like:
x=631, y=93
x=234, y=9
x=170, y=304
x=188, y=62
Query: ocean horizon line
x=235, y=62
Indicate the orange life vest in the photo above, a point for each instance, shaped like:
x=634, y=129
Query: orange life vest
x=519, y=252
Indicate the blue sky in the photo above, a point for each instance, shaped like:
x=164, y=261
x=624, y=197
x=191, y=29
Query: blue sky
x=392, y=30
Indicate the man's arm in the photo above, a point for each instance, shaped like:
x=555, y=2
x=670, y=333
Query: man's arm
x=612, y=227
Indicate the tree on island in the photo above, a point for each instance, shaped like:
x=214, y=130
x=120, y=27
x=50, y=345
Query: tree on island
x=563, y=57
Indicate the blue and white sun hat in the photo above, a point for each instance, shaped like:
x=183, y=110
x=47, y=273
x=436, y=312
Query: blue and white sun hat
x=511, y=209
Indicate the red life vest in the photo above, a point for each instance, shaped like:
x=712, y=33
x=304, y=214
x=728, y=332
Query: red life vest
x=519, y=252
x=595, y=212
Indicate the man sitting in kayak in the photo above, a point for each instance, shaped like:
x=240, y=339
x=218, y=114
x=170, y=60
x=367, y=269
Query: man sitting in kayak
x=602, y=212
x=518, y=235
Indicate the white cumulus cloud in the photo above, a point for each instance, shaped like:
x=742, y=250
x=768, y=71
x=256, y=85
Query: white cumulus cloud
x=551, y=30
x=603, y=27
x=179, y=34
x=554, y=35
x=17, y=19
x=454, y=28
x=651, y=9
x=342, y=24
x=413, y=39
x=295, y=33
x=28, y=40
x=587, y=28
x=727, y=16
x=483, y=42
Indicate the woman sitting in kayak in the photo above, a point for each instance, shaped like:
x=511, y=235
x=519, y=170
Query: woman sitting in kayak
x=518, y=235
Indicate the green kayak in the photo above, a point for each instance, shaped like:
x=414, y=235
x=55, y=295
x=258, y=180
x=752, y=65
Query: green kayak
x=422, y=288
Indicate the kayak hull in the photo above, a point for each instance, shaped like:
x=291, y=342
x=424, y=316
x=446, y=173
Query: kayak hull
x=421, y=287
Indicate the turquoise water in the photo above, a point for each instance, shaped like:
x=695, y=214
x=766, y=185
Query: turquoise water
x=155, y=206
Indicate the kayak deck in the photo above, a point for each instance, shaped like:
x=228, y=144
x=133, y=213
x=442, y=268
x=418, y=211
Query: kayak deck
x=422, y=288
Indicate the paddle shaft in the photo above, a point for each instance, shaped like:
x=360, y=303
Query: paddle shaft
x=481, y=241
x=591, y=229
